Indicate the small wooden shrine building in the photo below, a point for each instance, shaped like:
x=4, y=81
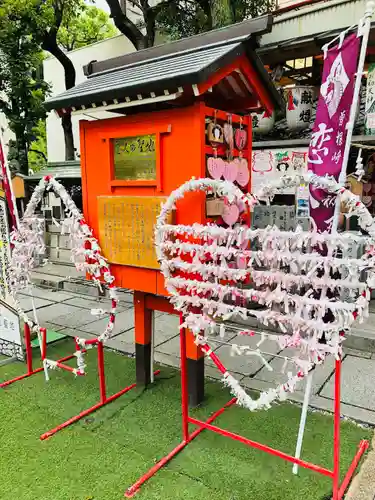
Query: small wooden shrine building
x=165, y=96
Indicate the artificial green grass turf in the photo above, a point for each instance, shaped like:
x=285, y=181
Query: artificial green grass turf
x=52, y=336
x=100, y=456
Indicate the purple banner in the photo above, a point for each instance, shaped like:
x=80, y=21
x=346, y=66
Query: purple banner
x=326, y=150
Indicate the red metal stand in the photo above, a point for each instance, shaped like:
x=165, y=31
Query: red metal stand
x=29, y=360
x=104, y=400
x=338, y=491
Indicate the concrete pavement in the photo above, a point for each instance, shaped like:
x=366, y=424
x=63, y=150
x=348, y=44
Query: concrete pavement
x=70, y=313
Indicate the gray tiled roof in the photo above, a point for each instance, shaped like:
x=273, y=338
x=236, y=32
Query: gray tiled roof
x=60, y=170
x=191, y=67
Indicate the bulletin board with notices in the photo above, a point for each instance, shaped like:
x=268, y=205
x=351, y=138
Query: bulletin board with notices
x=270, y=165
x=10, y=332
x=126, y=229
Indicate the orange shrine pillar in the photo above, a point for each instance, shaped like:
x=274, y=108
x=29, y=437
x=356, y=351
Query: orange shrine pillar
x=144, y=307
x=195, y=368
x=143, y=334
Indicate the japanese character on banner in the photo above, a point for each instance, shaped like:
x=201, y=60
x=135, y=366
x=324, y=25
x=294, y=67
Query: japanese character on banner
x=327, y=145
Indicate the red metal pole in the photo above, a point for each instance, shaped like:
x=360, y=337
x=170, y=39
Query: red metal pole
x=184, y=385
x=130, y=492
x=29, y=353
x=91, y=342
x=336, y=438
x=262, y=447
x=103, y=396
x=68, y=368
x=28, y=374
x=363, y=446
x=88, y=411
x=43, y=333
x=78, y=347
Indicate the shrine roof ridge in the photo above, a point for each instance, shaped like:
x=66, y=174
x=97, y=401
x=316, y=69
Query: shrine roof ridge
x=160, y=73
x=238, y=32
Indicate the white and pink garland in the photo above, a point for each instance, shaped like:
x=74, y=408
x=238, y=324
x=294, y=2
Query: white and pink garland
x=28, y=241
x=220, y=253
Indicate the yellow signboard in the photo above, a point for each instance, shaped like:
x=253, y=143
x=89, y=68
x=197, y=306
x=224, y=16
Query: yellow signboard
x=134, y=158
x=126, y=229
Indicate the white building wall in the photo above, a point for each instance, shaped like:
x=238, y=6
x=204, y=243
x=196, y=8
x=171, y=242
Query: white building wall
x=6, y=134
x=315, y=18
x=54, y=75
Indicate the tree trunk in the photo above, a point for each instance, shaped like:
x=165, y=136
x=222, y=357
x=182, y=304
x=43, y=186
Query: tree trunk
x=50, y=44
x=221, y=12
x=125, y=25
x=66, y=122
x=23, y=159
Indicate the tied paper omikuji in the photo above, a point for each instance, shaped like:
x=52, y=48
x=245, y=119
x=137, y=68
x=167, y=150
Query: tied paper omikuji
x=305, y=284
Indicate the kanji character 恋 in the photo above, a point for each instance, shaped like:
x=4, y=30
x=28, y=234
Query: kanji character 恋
x=317, y=148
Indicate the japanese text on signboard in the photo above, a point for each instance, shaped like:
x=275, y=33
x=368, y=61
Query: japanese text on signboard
x=134, y=158
x=126, y=229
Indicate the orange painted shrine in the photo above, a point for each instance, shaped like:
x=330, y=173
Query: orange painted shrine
x=130, y=164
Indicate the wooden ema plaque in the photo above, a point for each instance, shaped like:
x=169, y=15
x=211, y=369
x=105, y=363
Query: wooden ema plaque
x=126, y=229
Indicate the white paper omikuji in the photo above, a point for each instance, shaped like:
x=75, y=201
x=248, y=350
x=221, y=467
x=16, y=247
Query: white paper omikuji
x=28, y=240
x=291, y=273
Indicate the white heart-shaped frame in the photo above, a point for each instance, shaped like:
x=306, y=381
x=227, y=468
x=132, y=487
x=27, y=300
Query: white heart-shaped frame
x=301, y=317
x=28, y=239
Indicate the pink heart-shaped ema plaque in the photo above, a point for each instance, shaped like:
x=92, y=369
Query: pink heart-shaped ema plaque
x=215, y=167
x=230, y=171
x=240, y=138
x=243, y=175
x=228, y=134
x=230, y=214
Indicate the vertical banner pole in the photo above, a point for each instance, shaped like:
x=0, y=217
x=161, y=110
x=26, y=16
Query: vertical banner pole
x=364, y=31
x=302, y=422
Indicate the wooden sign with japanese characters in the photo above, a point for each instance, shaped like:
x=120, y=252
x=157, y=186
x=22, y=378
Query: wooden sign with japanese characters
x=10, y=333
x=126, y=229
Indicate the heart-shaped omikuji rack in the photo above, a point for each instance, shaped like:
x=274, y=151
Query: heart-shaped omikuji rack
x=28, y=242
x=298, y=278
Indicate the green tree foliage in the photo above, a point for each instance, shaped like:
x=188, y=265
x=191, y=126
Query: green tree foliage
x=22, y=89
x=84, y=25
x=189, y=17
x=27, y=28
x=63, y=22
x=38, y=148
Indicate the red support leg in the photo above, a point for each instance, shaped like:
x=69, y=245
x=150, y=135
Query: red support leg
x=336, y=438
x=68, y=368
x=201, y=425
x=184, y=384
x=43, y=333
x=363, y=446
x=28, y=348
x=84, y=413
x=102, y=388
x=28, y=374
